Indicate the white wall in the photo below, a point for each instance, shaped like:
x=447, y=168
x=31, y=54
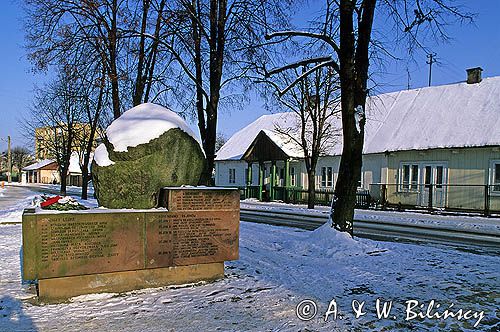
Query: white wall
x=222, y=173
x=374, y=169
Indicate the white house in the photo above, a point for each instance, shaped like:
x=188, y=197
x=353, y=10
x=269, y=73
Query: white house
x=435, y=145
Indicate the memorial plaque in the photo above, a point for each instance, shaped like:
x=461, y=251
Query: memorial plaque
x=86, y=243
x=186, y=199
x=190, y=240
x=194, y=237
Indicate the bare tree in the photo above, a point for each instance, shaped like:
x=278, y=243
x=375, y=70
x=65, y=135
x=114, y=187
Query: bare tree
x=220, y=140
x=55, y=119
x=315, y=102
x=93, y=101
x=57, y=29
x=212, y=42
x=347, y=33
x=21, y=157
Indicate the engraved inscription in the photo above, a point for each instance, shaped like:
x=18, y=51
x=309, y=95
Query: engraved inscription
x=181, y=238
x=204, y=229
x=159, y=240
x=89, y=243
x=182, y=200
x=194, y=237
x=67, y=239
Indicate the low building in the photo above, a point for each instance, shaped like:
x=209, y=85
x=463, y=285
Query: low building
x=434, y=146
x=47, y=172
x=44, y=171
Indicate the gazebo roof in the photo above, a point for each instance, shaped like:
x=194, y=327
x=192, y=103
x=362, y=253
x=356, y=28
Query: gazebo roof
x=263, y=148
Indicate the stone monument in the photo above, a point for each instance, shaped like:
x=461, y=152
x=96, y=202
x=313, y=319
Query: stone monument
x=168, y=235
x=148, y=147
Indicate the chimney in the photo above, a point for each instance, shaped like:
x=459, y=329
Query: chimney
x=474, y=75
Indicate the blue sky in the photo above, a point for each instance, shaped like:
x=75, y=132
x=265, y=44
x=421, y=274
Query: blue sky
x=472, y=45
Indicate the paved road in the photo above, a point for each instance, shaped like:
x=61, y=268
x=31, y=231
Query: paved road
x=11, y=194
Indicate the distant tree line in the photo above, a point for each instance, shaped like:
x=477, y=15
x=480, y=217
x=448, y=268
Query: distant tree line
x=21, y=157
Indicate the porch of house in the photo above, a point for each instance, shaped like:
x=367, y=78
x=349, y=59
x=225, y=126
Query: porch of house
x=278, y=179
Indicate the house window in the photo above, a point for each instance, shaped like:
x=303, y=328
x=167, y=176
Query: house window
x=293, y=177
x=329, y=178
x=408, y=177
x=326, y=176
x=495, y=176
x=246, y=175
x=439, y=176
x=414, y=176
x=232, y=175
x=360, y=181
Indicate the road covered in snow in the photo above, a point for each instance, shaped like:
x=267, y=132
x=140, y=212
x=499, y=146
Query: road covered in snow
x=279, y=267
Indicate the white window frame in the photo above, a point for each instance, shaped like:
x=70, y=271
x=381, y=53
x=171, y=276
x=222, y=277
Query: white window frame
x=361, y=180
x=232, y=175
x=326, y=177
x=493, y=175
x=420, y=182
x=411, y=185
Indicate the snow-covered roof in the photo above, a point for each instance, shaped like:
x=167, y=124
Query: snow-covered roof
x=236, y=146
x=38, y=165
x=142, y=124
x=74, y=164
x=447, y=116
x=291, y=148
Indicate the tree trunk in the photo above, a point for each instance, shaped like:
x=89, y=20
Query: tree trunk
x=354, y=62
x=112, y=36
x=64, y=176
x=346, y=186
x=209, y=147
x=311, y=188
x=85, y=174
x=140, y=75
x=217, y=43
x=85, y=184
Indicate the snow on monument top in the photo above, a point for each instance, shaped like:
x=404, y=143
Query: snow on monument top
x=101, y=156
x=143, y=123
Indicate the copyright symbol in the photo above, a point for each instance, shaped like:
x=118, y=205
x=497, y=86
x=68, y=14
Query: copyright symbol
x=306, y=310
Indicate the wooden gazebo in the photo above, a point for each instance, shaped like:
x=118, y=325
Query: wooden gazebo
x=264, y=149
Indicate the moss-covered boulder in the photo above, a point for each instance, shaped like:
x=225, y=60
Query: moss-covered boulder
x=132, y=178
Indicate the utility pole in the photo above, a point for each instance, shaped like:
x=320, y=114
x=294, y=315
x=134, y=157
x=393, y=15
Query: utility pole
x=432, y=59
x=408, y=78
x=9, y=161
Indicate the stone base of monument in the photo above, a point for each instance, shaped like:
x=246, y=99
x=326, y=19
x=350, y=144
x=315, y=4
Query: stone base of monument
x=54, y=289
x=103, y=250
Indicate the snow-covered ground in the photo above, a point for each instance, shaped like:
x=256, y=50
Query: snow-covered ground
x=278, y=268
x=473, y=223
x=72, y=190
